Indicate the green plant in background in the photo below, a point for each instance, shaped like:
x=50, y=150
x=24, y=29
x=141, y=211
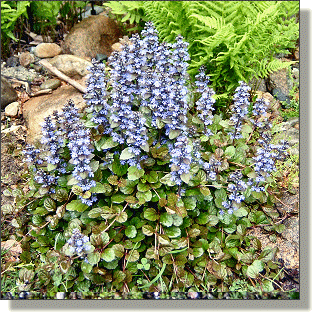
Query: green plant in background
x=148, y=190
x=235, y=40
x=11, y=13
x=16, y=18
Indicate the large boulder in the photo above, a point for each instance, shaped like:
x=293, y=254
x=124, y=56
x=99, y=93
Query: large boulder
x=8, y=94
x=38, y=108
x=70, y=65
x=93, y=35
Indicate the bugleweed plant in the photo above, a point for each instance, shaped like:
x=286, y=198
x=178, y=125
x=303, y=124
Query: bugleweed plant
x=235, y=40
x=149, y=189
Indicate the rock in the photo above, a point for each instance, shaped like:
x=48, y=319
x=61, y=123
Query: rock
x=61, y=295
x=119, y=45
x=8, y=94
x=261, y=83
x=26, y=59
x=51, y=84
x=12, y=61
x=91, y=36
x=70, y=65
x=47, y=50
x=20, y=73
x=37, y=108
x=278, y=85
x=12, y=109
x=290, y=132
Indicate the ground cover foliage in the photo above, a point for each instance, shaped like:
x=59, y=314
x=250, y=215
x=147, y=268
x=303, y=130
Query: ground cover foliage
x=148, y=189
x=235, y=40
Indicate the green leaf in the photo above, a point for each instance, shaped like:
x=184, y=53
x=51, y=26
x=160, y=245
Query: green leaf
x=76, y=205
x=126, y=154
x=49, y=204
x=173, y=232
x=144, y=196
x=242, y=212
x=150, y=214
x=254, y=269
x=118, y=198
x=59, y=241
x=108, y=255
x=230, y=151
x=106, y=143
x=118, y=250
x=122, y=217
x=166, y=179
x=147, y=230
x=93, y=258
x=130, y=231
x=133, y=256
x=185, y=177
x=86, y=267
x=166, y=219
x=174, y=133
x=205, y=191
x=279, y=228
x=152, y=177
x=134, y=173
x=190, y=203
x=98, y=188
x=197, y=252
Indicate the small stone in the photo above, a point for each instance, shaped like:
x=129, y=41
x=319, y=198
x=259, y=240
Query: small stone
x=12, y=109
x=51, y=84
x=61, y=295
x=47, y=50
x=117, y=46
x=12, y=61
x=26, y=59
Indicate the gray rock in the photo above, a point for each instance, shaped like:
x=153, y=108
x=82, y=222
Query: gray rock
x=258, y=84
x=20, y=73
x=91, y=36
x=26, y=59
x=47, y=50
x=8, y=94
x=51, y=84
x=278, y=85
x=12, y=61
x=12, y=109
x=37, y=108
x=71, y=65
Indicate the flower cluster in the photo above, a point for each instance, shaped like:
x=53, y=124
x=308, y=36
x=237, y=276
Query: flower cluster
x=239, y=109
x=96, y=93
x=78, y=243
x=264, y=162
x=81, y=155
x=32, y=155
x=259, y=110
x=235, y=188
x=181, y=158
x=205, y=103
x=52, y=140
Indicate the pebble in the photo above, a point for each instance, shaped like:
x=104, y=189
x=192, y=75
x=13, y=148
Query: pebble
x=47, y=50
x=12, y=109
x=61, y=295
x=26, y=59
x=51, y=84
